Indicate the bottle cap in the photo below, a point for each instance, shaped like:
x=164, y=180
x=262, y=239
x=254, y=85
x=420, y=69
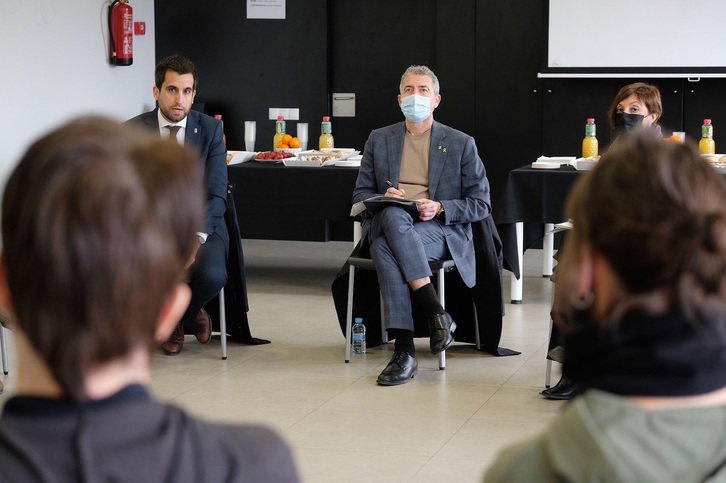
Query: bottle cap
x=359, y=319
x=326, y=118
x=218, y=116
x=707, y=121
x=591, y=120
x=280, y=118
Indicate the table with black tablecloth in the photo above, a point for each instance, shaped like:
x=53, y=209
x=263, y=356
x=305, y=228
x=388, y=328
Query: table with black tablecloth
x=531, y=200
x=277, y=202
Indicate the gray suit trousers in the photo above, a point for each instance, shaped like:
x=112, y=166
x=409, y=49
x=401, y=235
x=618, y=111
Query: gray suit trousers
x=400, y=249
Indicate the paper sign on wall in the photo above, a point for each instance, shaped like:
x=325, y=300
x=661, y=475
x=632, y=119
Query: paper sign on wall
x=266, y=9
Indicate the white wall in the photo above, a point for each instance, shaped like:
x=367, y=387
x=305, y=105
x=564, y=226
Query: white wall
x=53, y=64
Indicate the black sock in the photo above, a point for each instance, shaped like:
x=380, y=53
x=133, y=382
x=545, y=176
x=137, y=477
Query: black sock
x=427, y=299
x=404, y=340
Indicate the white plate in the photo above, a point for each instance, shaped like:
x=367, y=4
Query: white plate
x=547, y=165
x=353, y=163
x=237, y=157
x=304, y=163
x=334, y=154
x=584, y=164
x=556, y=159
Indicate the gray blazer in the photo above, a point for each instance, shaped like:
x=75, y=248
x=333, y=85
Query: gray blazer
x=457, y=179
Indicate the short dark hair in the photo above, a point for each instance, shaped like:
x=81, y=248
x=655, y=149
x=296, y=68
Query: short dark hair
x=98, y=222
x=177, y=63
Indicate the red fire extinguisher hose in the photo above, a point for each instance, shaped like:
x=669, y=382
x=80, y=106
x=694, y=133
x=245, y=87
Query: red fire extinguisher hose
x=110, y=30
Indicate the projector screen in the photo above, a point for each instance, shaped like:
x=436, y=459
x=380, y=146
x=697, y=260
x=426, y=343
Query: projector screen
x=645, y=36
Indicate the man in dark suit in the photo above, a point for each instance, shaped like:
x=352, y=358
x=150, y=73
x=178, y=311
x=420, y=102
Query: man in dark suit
x=420, y=159
x=174, y=90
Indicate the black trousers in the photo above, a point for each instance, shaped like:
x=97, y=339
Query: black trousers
x=207, y=276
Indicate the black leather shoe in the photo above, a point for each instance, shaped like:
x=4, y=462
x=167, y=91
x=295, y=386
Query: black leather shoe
x=402, y=368
x=564, y=390
x=442, y=328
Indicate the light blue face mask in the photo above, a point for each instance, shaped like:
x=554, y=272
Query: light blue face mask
x=416, y=108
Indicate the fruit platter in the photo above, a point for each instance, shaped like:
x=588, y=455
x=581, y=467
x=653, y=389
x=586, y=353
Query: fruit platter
x=273, y=156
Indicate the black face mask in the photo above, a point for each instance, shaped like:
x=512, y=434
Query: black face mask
x=626, y=122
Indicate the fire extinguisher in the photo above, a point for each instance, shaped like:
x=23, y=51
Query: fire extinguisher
x=121, y=33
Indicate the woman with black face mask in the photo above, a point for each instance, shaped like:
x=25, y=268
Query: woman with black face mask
x=636, y=105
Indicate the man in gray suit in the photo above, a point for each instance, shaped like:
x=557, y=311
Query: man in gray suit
x=420, y=159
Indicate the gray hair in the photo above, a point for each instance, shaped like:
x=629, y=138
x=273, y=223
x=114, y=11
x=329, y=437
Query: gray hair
x=420, y=70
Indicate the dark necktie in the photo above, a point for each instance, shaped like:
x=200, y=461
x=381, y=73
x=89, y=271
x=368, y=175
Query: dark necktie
x=172, y=131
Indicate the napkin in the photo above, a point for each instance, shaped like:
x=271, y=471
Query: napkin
x=240, y=156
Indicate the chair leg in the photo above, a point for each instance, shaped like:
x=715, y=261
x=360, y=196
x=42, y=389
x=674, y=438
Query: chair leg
x=4, y=349
x=477, y=338
x=223, y=324
x=548, y=374
x=548, y=371
x=384, y=332
x=442, y=300
x=349, y=313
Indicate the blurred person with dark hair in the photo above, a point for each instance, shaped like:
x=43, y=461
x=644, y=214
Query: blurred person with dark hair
x=635, y=107
x=99, y=223
x=641, y=299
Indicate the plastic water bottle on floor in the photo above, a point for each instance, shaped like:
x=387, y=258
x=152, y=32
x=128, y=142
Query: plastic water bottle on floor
x=359, y=336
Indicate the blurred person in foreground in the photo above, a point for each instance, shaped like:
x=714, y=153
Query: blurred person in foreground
x=635, y=107
x=420, y=159
x=175, y=86
x=641, y=299
x=92, y=273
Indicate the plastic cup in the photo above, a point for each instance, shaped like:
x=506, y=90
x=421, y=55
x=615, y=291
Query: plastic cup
x=302, y=134
x=250, y=135
x=680, y=135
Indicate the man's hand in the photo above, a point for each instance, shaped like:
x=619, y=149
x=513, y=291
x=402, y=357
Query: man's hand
x=428, y=209
x=395, y=193
x=193, y=256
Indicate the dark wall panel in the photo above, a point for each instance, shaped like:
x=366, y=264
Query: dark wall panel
x=372, y=43
x=702, y=100
x=486, y=53
x=508, y=41
x=247, y=66
x=566, y=105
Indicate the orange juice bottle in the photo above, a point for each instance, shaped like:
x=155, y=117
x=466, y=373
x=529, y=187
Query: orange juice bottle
x=706, y=145
x=279, y=132
x=589, y=144
x=326, y=134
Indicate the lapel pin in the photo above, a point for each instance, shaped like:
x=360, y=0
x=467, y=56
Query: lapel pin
x=439, y=147
x=444, y=149
x=195, y=130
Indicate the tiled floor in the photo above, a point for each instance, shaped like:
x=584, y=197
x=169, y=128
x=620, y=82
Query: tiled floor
x=443, y=426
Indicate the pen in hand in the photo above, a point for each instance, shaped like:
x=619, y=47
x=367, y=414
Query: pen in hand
x=400, y=192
